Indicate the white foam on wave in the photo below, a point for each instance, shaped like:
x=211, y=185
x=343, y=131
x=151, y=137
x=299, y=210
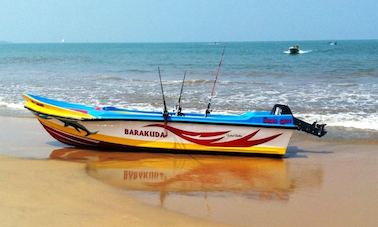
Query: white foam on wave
x=149, y=107
x=304, y=51
x=349, y=120
x=195, y=82
x=358, y=120
x=11, y=105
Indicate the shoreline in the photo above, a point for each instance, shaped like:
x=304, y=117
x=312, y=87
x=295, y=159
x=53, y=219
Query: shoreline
x=320, y=183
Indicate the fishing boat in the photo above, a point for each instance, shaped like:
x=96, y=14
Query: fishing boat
x=294, y=49
x=111, y=127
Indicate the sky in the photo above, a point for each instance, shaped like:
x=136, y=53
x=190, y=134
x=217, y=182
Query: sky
x=38, y=21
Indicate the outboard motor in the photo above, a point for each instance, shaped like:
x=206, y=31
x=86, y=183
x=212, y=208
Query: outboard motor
x=314, y=128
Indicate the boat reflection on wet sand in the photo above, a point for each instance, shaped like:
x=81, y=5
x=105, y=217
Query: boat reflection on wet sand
x=259, y=178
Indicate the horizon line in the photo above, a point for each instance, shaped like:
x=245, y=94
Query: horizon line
x=167, y=42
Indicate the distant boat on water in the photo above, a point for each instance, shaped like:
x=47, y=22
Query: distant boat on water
x=332, y=43
x=294, y=50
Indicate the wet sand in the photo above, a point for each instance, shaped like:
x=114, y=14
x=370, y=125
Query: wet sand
x=56, y=193
x=322, y=182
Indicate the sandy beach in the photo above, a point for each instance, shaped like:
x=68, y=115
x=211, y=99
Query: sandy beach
x=55, y=193
x=189, y=113
x=321, y=183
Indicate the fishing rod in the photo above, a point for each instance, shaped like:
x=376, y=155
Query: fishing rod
x=215, y=81
x=165, y=113
x=178, y=105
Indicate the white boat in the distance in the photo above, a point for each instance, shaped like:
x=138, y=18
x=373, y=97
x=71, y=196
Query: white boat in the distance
x=294, y=50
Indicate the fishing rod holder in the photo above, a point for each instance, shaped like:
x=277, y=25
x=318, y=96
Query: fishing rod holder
x=314, y=128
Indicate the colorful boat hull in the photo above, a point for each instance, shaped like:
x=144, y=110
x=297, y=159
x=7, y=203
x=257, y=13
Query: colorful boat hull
x=172, y=136
x=109, y=127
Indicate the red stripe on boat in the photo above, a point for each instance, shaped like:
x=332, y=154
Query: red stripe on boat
x=241, y=142
x=61, y=139
x=70, y=141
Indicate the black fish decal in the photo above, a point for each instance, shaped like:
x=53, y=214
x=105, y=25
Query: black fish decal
x=77, y=126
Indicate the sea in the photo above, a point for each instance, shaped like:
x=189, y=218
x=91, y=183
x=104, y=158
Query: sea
x=332, y=84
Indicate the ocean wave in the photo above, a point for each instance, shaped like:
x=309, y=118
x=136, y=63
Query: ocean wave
x=109, y=78
x=357, y=120
x=28, y=60
x=199, y=82
x=347, y=120
x=345, y=84
x=11, y=105
x=366, y=72
x=139, y=71
x=43, y=59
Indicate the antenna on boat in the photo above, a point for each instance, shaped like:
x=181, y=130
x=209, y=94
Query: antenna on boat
x=215, y=81
x=165, y=113
x=178, y=105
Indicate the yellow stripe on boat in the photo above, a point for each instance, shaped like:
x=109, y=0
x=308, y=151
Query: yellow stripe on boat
x=44, y=108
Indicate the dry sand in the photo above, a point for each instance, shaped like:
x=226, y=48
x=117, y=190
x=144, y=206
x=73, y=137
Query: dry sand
x=332, y=183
